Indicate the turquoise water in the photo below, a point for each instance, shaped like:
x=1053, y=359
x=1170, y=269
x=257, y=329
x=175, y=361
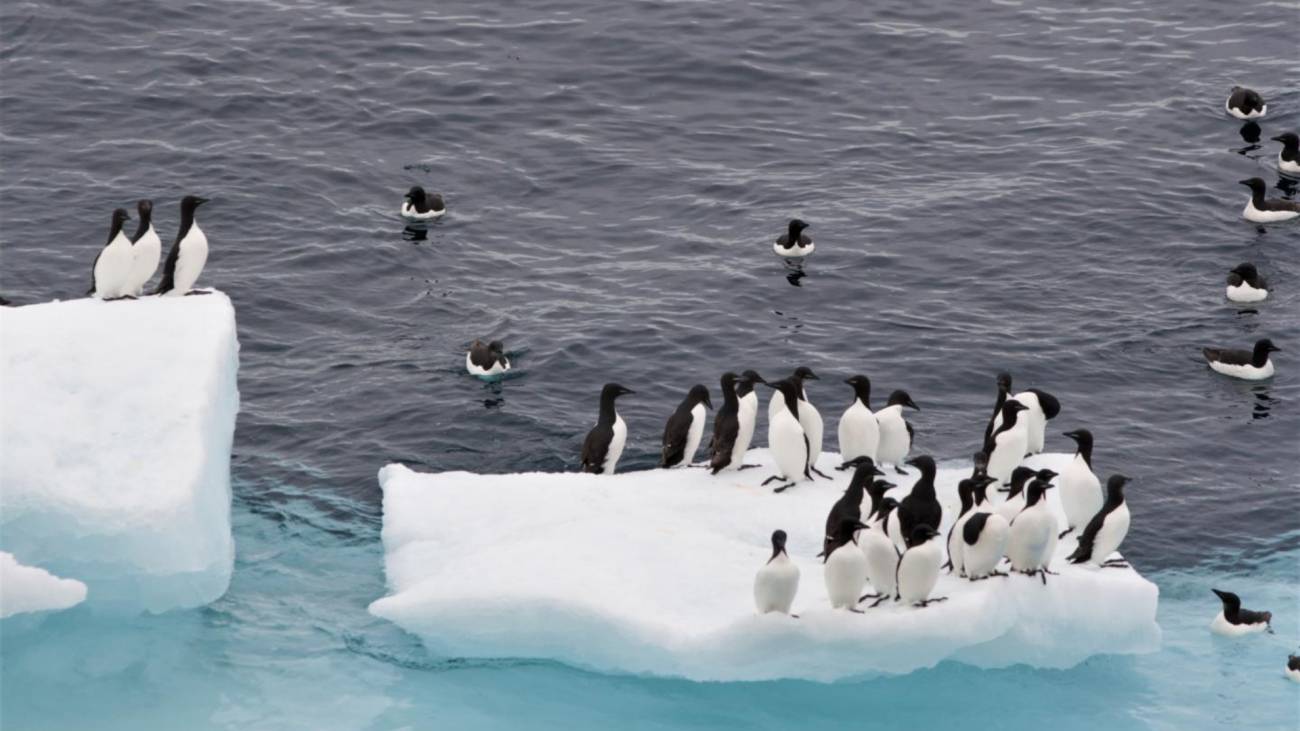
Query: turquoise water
x=291, y=646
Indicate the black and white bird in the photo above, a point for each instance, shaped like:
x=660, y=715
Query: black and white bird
x=1032, y=537
x=1004, y=393
x=880, y=552
x=1081, y=496
x=604, y=443
x=110, y=276
x=685, y=428
x=418, y=205
x=967, y=490
x=748, y=412
x=794, y=242
x=188, y=253
x=920, y=507
x=918, y=567
x=1288, y=159
x=1251, y=365
x=1244, y=103
x=726, y=428
x=809, y=417
x=849, y=505
x=1007, y=446
x=984, y=540
x=1293, y=667
x=777, y=581
x=1233, y=621
x=786, y=438
x=486, y=360
x=1262, y=209
x=1246, y=285
x=1040, y=407
x=1015, y=501
x=859, y=434
x=895, y=433
x=1106, y=530
x=146, y=249
x=844, y=568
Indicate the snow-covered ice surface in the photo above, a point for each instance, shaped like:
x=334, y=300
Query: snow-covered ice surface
x=116, y=430
x=29, y=589
x=651, y=573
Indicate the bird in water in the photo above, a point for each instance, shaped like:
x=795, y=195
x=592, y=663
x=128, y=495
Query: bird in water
x=417, y=205
x=794, y=242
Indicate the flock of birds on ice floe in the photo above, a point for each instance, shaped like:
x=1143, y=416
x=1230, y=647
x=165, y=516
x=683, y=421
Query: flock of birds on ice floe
x=891, y=546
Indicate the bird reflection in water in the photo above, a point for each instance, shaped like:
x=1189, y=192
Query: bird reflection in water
x=1250, y=133
x=794, y=272
x=415, y=232
x=1263, y=402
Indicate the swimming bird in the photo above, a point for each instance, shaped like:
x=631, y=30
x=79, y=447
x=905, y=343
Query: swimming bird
x=920, y=507
x=1081, y=496
x=1245, y=284
x=418, y=205
x=918, y=567
x=1245, y=103
x=786, y=438
x=1251, y=365
x=777, y=582
x=146, y=248
x=1288, y=160
x=188, y=255
x=110, y=276
x=849, y=505
x=486, y=360
x=984, y=539
x=794, y=242
x=685, y=428
x=895, y=433
x=604, y=443
x=880, y=553
x=1293, y=667
x=1233, y=621
x=859, y=434
x=844, y=568
x=1106, y=530
x=1007, y=447
x=1266, y=210
x=1015, y=501
x=1033, y=534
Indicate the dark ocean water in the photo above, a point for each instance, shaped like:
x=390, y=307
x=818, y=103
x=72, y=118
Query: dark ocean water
x=1040, y=188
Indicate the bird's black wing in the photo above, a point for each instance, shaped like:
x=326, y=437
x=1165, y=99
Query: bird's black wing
x=970, y=532
x=676, y=431
x=1248, y=616
x=1083, y=551
x=1051, y=407
x=726, y=428
x=594, y=448
x=1229, y=357
x=168, y=281
x=92, y=272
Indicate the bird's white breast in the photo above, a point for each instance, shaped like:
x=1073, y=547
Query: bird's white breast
x=1251, y=213
x=144, y=260
x=695, y=434
x=1236, y=112
x=796, y=250
x=189, y=262
x=845, y=573
x=859, y=434
x=775, y=585
x=1081, y=496
x=408, y=211
x=1246, y=293
x=1112, y=534
x=1222, y=626
x=113, y=269
x=811, y=421
x=786, y=440
x=893, y=444
x=1247, y=372
x=1008, y=451
x=982, y=557
x=1287, y=166
x=918, y=570
x=498, y=367
x=615, y=445
x=1032, y=532
x=882, y=560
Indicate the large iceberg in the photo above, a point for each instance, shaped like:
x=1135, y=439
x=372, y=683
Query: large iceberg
x=115, y=435
x=29, y=589
x=652, y=572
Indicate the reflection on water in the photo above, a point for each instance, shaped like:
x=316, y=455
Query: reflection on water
x=794, y=271
x=1263, y=402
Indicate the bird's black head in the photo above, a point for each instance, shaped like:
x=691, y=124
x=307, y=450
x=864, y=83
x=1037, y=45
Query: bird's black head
x=1246, y=271
x=1013, y=406
x=1257, y=186
x=612, y=391
x=1230, y=601
x=980, y=460
x=1115, y=485
x=796, y=227
x=1266, y=346
x=1045, y=475
x=1290, y=139
x=1004, y=381
x=1080, y=436
x=729, y=381
x=190, y=203
x=120, y=216
x=863, y=465
x=751, y=377
x=921, y=534
x=924, y=463
x=803, y=373
x=145, y=208
x=496, y=347
x=778, y=542
x=1019, y=476
x=416, y=194
x=1035, y=492
x=699, y=395
x=900, y=398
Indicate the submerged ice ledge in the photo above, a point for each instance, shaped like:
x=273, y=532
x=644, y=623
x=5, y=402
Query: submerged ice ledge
x=115, y=440
x=651, y=573
x=26, y=589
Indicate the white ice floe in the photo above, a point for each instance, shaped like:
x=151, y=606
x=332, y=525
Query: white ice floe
x=651, y=573
x=116, y=421
x=29, y=589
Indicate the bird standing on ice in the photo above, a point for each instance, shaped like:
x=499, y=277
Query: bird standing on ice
x=1288, y=160
x=1033, y=534
x=604, y=443
x=920, y=507
x=918, y=568
x=794, y=242
x=1233, y=621
x=966, y=492
x=777, y=582
x=418, y=205
x=685, y=428
x=1106, y=530
x=895, y=433
x=849, y=505
x=1040, y=407
x=1245, y=284
x=486, y=360
x=1006, y=448
x=146, y=248
x=1251, y=365
x=844, y=567
x=786, y=438
x=1080, y=489
x=809, y=417
x=984, y=539
x=188, y=254
x=1245, y=103
x=1261, y=209
x=859, y=433
x=726, y=427
x=110, y=277
x=880, y=552
x=1015, y=501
